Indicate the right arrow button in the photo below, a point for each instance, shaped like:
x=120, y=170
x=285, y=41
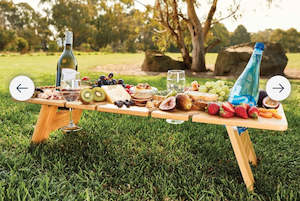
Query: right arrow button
x=278, y=88
x=281, y=88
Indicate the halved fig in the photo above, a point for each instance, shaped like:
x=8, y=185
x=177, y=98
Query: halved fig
x=262, y=95
x=269, y=103
x=168, y=104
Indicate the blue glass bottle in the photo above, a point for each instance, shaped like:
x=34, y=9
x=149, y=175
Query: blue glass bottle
x=246, y=88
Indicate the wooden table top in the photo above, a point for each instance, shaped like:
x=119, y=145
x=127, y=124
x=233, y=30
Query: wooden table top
x=195, y=116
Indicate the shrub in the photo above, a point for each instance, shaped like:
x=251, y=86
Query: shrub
x=107, y=49
x=85, y=47
x=22, y=45
x=53, y=47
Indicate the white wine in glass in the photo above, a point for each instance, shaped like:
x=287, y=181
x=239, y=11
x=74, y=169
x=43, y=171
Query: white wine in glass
x=175, y=82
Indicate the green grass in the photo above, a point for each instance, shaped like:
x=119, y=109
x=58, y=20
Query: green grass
x=294, y=60
x=120, y=157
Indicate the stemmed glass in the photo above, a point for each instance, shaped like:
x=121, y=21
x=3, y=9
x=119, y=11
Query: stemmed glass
x=70, y=90
x=175, y=82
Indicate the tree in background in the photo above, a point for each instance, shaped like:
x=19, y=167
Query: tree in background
x=169, y=14
x=289, y=39
x=240, y=35
x=218, y=32
x=292, y=40
x=22, y=19
x=262, y=35
x=75, y=16
x=115, y=24
x=7, y=39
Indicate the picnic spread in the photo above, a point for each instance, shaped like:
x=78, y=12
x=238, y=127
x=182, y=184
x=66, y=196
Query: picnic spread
x=236, y=107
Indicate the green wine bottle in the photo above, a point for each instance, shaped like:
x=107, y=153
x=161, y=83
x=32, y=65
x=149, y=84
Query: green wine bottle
x=67, y=59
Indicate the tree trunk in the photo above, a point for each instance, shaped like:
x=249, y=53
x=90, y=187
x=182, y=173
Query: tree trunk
x=195, y=28
x=186, y=57
x=198, y=54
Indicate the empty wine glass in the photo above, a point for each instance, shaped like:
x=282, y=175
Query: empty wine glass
x=175, y=82
x=70, y=90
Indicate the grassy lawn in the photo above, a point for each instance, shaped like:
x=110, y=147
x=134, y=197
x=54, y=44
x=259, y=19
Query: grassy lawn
x=120, y=157
x=294, y=60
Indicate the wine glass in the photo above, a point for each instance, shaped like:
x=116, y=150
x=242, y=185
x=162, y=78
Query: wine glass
x=175, y=82
x=70, y=90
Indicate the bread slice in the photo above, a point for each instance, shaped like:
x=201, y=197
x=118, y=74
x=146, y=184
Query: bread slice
x=196, y=95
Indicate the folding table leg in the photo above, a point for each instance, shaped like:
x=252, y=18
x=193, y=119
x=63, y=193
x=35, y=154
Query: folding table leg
x=241, y=156
x=50, y=120
x=247, y=144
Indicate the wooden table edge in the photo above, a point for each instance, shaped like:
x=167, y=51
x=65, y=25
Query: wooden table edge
x=39, y=101
x=156, y=115
x=100, y=108
x=81, y=106
x=281, y=127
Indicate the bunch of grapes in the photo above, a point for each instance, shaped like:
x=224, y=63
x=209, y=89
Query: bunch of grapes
x=220, y=87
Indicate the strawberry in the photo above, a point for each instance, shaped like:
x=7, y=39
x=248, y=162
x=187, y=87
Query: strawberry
x=226, y=114
x=246, y=106
x=241, y=111
x=213, y=108
x=228, y=107
x=85, y=78
x=253, y=112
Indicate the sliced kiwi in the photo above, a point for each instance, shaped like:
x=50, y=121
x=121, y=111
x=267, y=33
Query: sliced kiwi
x=86, y=96
x=99, y=94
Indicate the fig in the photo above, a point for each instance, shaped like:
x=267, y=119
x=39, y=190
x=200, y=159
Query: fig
x=168, y=104
x=183, y=102
x=261, y=96
x=269, y=103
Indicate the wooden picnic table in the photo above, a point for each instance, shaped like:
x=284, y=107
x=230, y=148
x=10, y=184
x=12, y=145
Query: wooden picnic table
x=51, y=119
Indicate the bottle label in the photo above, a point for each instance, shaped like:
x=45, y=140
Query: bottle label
x=237, y=100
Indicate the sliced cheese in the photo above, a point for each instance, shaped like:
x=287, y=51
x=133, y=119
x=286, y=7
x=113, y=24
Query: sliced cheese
x=115, y=93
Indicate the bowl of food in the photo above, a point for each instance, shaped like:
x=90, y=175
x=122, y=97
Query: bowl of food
x=143, y=88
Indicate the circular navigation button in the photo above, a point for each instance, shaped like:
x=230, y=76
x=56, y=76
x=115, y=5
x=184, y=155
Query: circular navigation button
x=21, y=88
x=278, y=88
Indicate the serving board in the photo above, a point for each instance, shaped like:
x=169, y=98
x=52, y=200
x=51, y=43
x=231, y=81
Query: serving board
x=261, y=123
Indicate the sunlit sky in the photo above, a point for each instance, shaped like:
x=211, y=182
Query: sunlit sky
x=256, y=14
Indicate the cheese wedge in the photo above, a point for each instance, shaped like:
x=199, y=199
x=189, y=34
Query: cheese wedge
x=115, y=93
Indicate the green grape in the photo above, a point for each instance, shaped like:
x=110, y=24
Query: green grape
x=207, y=84
x=202, y=88
x=227, y=90
x=222, y=93
x=214, y=85
x=212, y=91
x=218, y=90
x=224, y=88
x=220, y=83
x=221, y=99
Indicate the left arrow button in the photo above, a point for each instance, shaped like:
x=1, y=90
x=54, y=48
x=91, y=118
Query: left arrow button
x=21, y=88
